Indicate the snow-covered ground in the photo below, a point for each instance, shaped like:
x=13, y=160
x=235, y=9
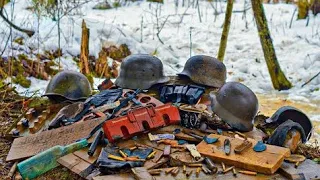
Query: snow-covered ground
x=297, y=48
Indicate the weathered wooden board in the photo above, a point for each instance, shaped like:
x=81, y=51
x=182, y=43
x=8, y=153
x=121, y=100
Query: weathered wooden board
x=25, y=147
x=266, y=162
x=201, y=176
x=141, y=173
x=307, y=169
x=76, y=165
x=123, y=176
x=83, y=154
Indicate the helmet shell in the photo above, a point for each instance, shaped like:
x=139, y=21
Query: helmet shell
x=70, y=85
x=205, y=70
x=140, y=71
x=288, y=112
x=235, y=104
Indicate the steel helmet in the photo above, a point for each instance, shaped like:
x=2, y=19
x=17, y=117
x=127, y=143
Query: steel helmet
x=288, y=112
x=235, y=104
x=140, y=71
x=70, y=85
x=205, y=70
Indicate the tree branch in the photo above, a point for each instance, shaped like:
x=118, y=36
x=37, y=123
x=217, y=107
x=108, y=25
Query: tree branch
x=28, y=32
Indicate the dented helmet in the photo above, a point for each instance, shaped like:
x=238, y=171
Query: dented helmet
x=235, y=104
x=288, y=112
x=140, y=71
x=70, y=85
x=205, y=70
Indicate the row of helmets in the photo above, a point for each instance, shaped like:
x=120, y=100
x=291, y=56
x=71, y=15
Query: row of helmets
x=235, y=103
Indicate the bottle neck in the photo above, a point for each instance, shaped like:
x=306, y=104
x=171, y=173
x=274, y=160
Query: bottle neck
x=75, y=146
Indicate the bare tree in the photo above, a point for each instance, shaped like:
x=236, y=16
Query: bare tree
x=225, y=32
x=279, y=80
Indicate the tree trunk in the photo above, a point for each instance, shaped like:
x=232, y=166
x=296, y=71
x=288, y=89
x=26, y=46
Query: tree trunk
x=279, y=80
x=303, y=9
x=225, y=32
x=84, y=51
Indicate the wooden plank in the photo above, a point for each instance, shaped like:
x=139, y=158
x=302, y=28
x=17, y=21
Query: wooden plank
x=264, y=162
x=307, y=169
x=141, y=173
x=25, y=147
x=76, y=165
x=122, y=176
x=83, y=154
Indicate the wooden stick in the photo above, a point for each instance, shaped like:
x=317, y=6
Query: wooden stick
x=84, y=51
x=311, y=79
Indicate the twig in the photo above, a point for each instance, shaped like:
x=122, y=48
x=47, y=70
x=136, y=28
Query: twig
x=59, y=35
x=190, y=41
x=292, y=17
x=122, y=32
x=141, y=39
x=5, y=46
x=28, y=32
x=311, y=79
x=199, y=14
x=308, y=18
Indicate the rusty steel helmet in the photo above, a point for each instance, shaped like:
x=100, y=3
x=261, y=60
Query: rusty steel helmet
x=235, y=104
x=70, y=85
x=205, y=70
x=140, y=71
x=291, y=113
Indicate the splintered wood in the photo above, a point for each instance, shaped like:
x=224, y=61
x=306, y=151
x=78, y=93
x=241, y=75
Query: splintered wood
x=266, y=162
x=84, y=51
x=25, y=147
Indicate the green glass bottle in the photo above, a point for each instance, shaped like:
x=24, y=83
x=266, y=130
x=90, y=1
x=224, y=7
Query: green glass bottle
x=47, y=160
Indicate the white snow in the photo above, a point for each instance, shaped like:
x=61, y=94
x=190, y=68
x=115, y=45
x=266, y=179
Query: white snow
x=297, y=48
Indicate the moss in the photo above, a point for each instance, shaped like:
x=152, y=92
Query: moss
x=155, y=52
x=90, y=78
x=225, y=32
x=102, y=6
x=157, y=1
x=279, y=80
x=19, y=41
x=303, y=8
x=23, y=81
x=39, y=102
x=116, y=4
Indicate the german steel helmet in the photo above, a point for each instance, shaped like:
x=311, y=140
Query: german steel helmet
x=291, y=113
x=235, y=104
x=140, y=71
x=70, y=85
x=205, y=70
